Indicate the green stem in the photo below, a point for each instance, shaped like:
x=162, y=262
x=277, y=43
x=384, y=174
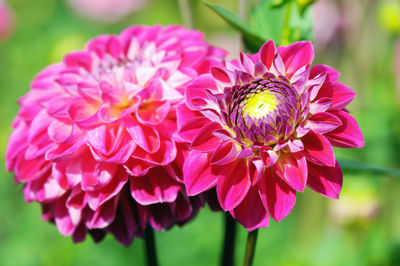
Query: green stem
x=228, y=256
x=286, y=24
x=186, y=13
x=250, y=248
x=150, y=246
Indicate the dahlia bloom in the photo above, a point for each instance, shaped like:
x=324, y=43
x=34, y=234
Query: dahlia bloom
x=6, y=20
x=107, y=11
x=262, y=128
x=95, y=141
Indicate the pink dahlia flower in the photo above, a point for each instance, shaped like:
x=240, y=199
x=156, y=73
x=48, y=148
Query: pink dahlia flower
x=262, y=129
x=107, y=11
x=95, y=140
x=6, y=20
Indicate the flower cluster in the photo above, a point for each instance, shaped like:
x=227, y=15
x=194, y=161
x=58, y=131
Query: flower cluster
x=95, y=140
x=137, y=130
x=262, y=128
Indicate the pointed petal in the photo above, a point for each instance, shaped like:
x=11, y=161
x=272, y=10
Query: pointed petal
x=277, y=197
x=251, y=212
x=233, y=184
x=318, y=149
x=296, y=55
x=204, y=139
x=339, y=93
x=220, y=75
x=331, y=74
x=198, y=174
x=292, y=168
x=267, y=53
x=323, y=122
x=325, y=180
x=348, y=135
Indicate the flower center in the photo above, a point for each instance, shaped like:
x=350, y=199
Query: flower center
x=262, y=111
x=259, y=105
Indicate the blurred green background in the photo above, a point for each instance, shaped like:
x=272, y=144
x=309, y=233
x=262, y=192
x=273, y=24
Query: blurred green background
x=362, y=228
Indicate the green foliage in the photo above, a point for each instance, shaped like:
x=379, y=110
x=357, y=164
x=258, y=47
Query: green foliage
x=252, y=39
x=280, y=21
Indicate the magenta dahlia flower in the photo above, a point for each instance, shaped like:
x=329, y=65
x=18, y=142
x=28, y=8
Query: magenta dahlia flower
x=95, y=140
x=262, y=129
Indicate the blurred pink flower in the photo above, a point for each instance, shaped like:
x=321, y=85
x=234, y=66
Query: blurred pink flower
x=95, y=140
x=327, y=22
x=263, y=128
x=108, y=11
x=6, y=20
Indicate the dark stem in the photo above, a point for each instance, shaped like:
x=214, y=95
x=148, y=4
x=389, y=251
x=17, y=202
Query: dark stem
x=150, y=245
x=250, y=248
x=228, y=256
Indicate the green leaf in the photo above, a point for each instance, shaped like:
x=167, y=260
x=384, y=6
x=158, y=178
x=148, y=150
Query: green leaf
x=267, y=20
x=281, y=21
x=359, y=167
x=301, y=25
x=252, y=40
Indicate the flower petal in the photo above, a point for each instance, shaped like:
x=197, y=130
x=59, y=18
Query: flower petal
x=331, y=74
x=153, y=113
x=323, y=122
x=348, y=135
x=198, y=174
x=318, y=149
x=251, y=212
x=325, y=180
x=233, y=184
x=296, y=55
x=292, y=168
x=146, y=137
x=204, y=139
x=267, y=53
x=155, y=187
x=339, y=93
x=277, y=197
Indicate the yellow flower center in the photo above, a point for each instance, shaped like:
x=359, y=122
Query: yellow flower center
x=260, y=104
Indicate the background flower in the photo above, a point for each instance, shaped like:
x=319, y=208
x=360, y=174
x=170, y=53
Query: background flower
x=106, y=11
x=6, y=20
x=95, y=138
x=262, y=128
